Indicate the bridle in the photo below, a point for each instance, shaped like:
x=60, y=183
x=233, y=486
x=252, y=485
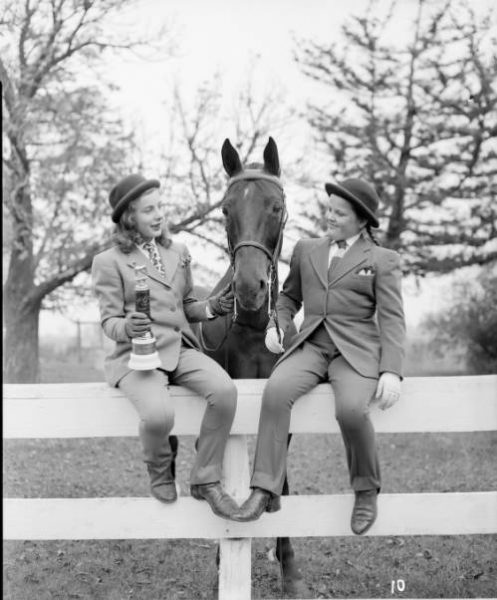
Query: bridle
x=252, y=174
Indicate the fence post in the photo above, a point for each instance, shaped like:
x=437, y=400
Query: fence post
x=235, y=553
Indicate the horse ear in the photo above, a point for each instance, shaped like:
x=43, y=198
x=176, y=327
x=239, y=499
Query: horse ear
x=271, y=158
x=231, y=160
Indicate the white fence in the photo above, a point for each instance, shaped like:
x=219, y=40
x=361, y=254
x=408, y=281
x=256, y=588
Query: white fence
x=441, y=404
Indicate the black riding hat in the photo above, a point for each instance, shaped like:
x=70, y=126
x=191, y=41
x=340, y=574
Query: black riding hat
x=361, y=194
x=127, y=190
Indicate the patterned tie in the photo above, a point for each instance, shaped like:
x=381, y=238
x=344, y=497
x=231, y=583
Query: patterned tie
x=342, y=246
x=154, y=255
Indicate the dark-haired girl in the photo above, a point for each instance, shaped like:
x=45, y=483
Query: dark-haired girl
x=352, y=335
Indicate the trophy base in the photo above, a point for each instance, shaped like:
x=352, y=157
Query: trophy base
x=144, y=362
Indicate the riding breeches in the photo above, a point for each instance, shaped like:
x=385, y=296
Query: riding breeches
x=296, y=375
x=148, y=391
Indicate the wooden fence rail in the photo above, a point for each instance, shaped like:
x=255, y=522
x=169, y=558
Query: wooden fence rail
x=440, y=404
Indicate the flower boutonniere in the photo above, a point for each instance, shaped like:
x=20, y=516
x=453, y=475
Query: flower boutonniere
x=186, y=260
x=143, y=268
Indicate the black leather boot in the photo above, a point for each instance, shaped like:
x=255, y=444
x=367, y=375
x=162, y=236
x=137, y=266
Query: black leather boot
x=221, y=503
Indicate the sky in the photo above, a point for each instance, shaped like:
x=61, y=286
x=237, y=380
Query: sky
x=229, y=37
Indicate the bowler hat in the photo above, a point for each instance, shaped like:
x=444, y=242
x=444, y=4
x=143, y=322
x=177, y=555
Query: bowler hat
x=361, y=194
x=126, y=190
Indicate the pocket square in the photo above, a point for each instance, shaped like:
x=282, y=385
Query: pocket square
x=368, y=271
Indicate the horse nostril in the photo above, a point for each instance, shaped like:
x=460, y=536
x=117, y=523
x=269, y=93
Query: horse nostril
x=262, y=284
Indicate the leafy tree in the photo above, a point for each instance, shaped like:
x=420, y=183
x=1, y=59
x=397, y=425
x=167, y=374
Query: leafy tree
x=63, y=147
x=194, y=170
x=470, y=321
x=417, y=118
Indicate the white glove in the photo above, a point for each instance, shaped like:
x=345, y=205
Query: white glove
x=272, y=342
x=388, y=390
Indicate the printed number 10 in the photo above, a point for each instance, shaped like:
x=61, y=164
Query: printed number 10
x=397, y=585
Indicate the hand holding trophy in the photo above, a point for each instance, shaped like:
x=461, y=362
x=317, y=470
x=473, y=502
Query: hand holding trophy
x=144, y=355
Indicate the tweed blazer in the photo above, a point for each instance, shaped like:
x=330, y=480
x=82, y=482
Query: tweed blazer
x=172, y=304
x=360, y=304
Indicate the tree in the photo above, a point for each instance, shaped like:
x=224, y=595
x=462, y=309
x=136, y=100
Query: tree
x=418, y=120
x=194, y=172
x=63, y=148
x=470, y=321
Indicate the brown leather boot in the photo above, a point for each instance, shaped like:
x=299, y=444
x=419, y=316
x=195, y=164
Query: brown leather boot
x=259, y=501
x=162, y=484
x=221, y=503
x=364, y=512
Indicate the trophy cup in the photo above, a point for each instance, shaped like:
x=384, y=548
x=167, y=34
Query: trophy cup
x=144, y=355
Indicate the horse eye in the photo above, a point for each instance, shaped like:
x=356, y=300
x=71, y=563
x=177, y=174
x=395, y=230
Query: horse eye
x=276, y=208
x=225, y=211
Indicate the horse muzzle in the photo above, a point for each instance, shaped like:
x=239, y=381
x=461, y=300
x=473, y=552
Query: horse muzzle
x=250, y=293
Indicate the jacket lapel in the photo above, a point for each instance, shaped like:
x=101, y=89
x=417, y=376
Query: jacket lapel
x=137, y=257
x=357, y=254
x=319, y=259
x=170, y=260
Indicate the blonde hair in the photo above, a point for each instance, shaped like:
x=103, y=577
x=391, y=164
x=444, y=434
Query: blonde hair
x=126, y=236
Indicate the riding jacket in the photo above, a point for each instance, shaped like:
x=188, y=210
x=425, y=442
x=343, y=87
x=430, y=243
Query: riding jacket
x=359, y=303
x=172, y=304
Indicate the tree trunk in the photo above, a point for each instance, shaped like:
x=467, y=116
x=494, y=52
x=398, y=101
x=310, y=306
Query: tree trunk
x=21, y=303
x=21, y=354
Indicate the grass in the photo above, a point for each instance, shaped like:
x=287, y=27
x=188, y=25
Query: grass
x=430, y=566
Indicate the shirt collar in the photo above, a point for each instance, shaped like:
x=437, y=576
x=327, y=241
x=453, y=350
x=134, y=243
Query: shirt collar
x=142, y=244
x=350, y=240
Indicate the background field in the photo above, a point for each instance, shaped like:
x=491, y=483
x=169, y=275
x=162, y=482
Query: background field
x=447, y=567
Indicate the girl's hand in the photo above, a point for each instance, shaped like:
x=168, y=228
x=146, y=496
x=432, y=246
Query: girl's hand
x=388, y=390
x=272, y=342
x=137, y=323
x=223, y=302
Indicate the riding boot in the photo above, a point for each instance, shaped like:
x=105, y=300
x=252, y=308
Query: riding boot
x=159, y=458
x=162, y=484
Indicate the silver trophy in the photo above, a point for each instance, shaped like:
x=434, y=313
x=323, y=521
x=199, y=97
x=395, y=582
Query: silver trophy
x=144, y=355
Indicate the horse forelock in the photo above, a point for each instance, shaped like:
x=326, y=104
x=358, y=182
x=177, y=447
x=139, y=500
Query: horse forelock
x=255, y=166
x=255, y=176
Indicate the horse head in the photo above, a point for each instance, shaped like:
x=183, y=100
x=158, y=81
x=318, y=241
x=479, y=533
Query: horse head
x=255, y=213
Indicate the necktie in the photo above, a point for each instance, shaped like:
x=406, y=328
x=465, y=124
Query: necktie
x=154, y=255
x=342, y=246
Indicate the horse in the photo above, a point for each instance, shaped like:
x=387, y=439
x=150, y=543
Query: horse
x=255, y=215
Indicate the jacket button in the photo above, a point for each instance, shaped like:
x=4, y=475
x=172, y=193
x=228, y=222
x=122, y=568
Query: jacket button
x=176, y=329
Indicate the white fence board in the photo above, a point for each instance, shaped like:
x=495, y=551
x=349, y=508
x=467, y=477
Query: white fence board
x=429, y=404
x=439, y=404
x=300, y=516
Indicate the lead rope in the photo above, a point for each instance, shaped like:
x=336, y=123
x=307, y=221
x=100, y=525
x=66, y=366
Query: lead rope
x=272, y=310
x=274, y=285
